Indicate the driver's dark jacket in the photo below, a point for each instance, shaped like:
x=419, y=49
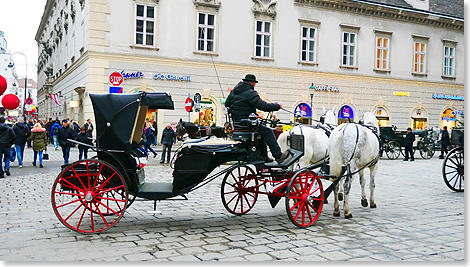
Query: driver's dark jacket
x=244, y=100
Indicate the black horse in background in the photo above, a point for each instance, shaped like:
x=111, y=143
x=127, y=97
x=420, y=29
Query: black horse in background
x=195, y=131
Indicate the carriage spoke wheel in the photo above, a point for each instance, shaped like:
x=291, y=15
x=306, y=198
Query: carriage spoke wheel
x=426, y=151
x=239, y=190
x=304, y=199
x=393, y=150
x=89, y=196
x=453, y=169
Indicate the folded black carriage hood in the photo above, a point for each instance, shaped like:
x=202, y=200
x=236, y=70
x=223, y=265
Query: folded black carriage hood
x=116, y=114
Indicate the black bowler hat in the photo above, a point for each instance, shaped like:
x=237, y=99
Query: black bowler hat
x=250, y=78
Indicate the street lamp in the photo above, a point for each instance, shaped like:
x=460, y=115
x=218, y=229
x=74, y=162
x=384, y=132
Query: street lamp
x=11, y=65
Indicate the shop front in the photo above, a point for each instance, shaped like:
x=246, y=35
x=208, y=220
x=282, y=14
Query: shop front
x=383, y=116
x=449, y=118
x=345, y=114
x=419, y=119
x=303, y=113
x=206, y=115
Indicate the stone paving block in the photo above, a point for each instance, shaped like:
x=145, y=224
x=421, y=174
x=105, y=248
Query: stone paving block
x=234, y=252
x=187, y=258
x=259, y=257
x=283, y=254
x=139, y=257
x=210, y=256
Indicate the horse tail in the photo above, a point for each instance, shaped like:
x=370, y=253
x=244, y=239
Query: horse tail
x=335, y=147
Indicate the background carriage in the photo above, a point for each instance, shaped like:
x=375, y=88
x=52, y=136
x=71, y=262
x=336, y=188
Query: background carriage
x=453, y=165
x=426, y=142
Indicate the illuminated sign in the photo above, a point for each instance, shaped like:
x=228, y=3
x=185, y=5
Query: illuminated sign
x=132, y=75
x=448, y=97
x=303, y=110
x=172, y=77
x=401, y=93
x=324, y=88
x=346, y=112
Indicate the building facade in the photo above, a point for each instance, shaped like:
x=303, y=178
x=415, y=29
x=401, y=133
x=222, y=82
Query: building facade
x=402, y=60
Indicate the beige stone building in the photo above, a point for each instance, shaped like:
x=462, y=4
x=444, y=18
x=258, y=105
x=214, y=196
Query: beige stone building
x=403, y=60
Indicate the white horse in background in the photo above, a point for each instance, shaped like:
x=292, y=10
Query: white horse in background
x=355, y=147
x=315, y=140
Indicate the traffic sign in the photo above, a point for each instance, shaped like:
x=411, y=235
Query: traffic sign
x=197, y=102
x=116, y=78
x=28, y=101
x=188, y=104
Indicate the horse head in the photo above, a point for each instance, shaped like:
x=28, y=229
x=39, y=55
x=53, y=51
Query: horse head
x=180, y=130
x=369, y=119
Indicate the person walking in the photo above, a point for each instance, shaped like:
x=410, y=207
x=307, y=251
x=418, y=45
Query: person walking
x=7, y=138
x=445, y=142
x=408, y=143
x=155, y=132
x=65, y=133
x=39, y=140
x=48, y=131
x=83, y=137
x=30, y=125
x=168, y=139
x=22, y=132
x=148, y=132
x=89, y=127
x=55, y=133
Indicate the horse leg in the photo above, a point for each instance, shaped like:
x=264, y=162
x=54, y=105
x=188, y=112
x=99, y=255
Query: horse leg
x=373, y=171
x=363, y=189
x=347, y=188
x=341, y=191
x=336, y=212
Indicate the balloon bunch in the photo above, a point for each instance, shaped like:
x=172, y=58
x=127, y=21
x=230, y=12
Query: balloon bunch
x=9, y=101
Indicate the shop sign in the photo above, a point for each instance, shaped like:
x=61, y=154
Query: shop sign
x=324, y=88
x=448, y=97
x=346, y=112
x=132, y=75
x=206, y=105
x=401, y=93
x=172, y=77
x=448, y=118
x=456, y=112
x=303, y=110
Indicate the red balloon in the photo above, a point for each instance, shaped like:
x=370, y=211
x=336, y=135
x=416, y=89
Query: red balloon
x=10, y=101
x=3, y=85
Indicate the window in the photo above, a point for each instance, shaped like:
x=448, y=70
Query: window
x=308, y=44
x=145, y=25
x=382, y=53
x=206, y=32
x=263, y=39
x=419, y=57
x=449, y=61
x=349, y=49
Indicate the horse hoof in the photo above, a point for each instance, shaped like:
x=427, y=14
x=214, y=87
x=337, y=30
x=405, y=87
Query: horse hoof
x=336, y=214
x=373, y=205
x=349, y=216
x=364, y=203
x=340, y=196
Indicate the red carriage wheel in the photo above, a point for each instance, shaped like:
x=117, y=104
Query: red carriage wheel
x=89, y=196
x=240, y=190
x=304, y=199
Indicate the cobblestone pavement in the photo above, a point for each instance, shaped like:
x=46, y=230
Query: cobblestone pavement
x=417, y=219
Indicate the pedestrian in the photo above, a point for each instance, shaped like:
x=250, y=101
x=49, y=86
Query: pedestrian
x=39, y=140
x=22, y=132
x=148, y=138
x=55, y=133
x=75, y=127
x=168, y=139
x=155, y=132
x=65, y=133
x=243, y=100
x=408, y=143
x=7, y=138
x=30, y=125
x=445, y=142
x=89, y=127
x=83, y=137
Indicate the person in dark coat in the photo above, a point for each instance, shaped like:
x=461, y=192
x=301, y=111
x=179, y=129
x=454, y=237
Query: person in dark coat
x=22, y=132
x=168, y=139
x=445, y=142
x=89, y=127
x=148, y=132
x=155, y=131
x=65, y=133
x=408, y=144
x=83, y=137
x=7, y=138
x=243, y=101
x=48, y=130
x=30, y=125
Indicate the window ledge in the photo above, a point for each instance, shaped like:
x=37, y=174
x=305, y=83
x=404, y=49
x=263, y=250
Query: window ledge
x=205, y=53
x=145, y=47
x=419, y=74
x=382, y=71
x=262, y=58
x=448, y=77
x=348, y=67
x=308, y=63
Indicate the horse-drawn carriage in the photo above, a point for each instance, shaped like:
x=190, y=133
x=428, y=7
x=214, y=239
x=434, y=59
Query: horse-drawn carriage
x=91, y=195
x=392, y=141
x=453, y=165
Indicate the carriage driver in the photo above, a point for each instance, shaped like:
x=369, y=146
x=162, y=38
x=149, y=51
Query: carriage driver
x=244, y=100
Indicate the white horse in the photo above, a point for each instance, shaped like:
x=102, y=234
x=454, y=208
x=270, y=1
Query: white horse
x=355, y=147
x=316, y=140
